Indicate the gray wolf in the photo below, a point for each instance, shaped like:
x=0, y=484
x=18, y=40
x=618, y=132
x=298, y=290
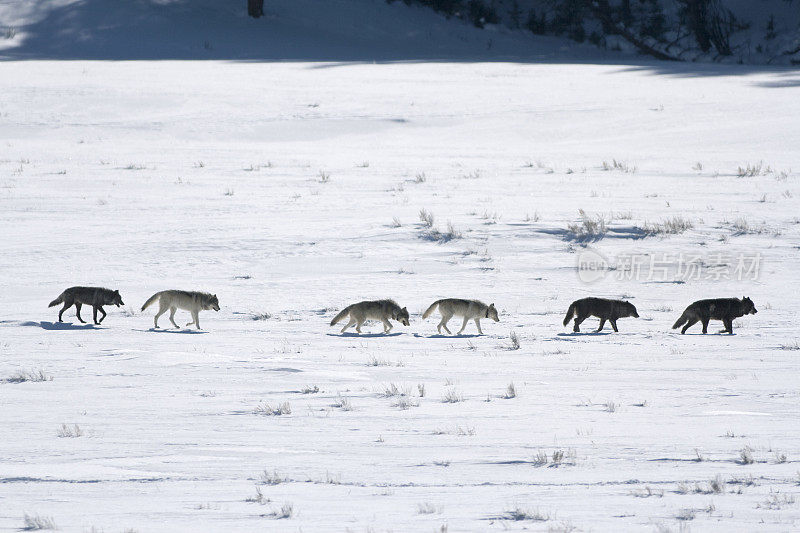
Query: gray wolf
x=725, y=309
x=602, y=308
x=191, y=301
x=97, y=297
x=381, y=310
x=469, y=309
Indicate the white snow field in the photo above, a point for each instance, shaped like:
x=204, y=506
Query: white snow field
x=292, y=189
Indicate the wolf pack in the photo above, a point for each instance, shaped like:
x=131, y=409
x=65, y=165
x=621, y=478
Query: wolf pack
x=607, y=310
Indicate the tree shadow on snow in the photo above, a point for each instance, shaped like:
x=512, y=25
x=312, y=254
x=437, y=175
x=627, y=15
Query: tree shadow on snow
x=212, y=30
x=60, y=326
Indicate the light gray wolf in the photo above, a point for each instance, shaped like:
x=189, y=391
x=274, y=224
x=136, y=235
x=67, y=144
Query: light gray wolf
x=469, y=309
x=191, y=301
x=602, y=308
x=97, y=297
x=725, y=309
x=381, y=310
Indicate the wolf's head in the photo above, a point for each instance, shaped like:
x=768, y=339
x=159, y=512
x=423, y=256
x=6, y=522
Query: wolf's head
x=748, y=306
x=213, y=303
x=491, y=312
x=402, y=316
x=116, y=299
x=630, y=310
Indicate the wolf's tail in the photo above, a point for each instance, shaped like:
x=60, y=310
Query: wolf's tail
x=570, y=312
x=151, y=300
x=57, y=301
x=431, y=309
x=682, y=320
x=343, y=313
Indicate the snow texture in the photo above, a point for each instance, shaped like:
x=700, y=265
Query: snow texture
x=292, y=189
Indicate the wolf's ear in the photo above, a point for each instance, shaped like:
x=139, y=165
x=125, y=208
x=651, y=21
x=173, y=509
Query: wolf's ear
x=215, y=296
x=116, y=291
x=406, y=310
x=491, y=305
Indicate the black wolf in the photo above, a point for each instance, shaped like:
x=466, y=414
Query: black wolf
x=97, y=297
x=725, y=309
x=603, y=309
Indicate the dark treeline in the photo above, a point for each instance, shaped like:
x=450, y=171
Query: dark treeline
x=661, y=28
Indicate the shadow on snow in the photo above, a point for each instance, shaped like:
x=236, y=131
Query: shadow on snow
x=174, y=330
x=60, y=326
x=362, y=335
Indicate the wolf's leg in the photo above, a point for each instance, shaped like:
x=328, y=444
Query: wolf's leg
x=728, y=326
x=351, y=323
x=161, y=310
x=387, y=326
x=195, y=319
x=602, y=324
x=78, y=312
x=689, y=324
x=443, y=323
x=578, y=320
x=705, y=325
x=464, y=325
x=359, y=323
x=478, y=323
x=102, y=311
x=67, y=305
x=614, y=325
x=172, y=316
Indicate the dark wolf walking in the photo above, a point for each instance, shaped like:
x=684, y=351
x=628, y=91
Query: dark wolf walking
x=97, y=297
x=725, y=309
x=381, y=310
x=603, y=309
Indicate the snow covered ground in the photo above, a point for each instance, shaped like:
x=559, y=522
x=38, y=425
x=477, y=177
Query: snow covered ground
x=293, y=189
x=145, y=176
